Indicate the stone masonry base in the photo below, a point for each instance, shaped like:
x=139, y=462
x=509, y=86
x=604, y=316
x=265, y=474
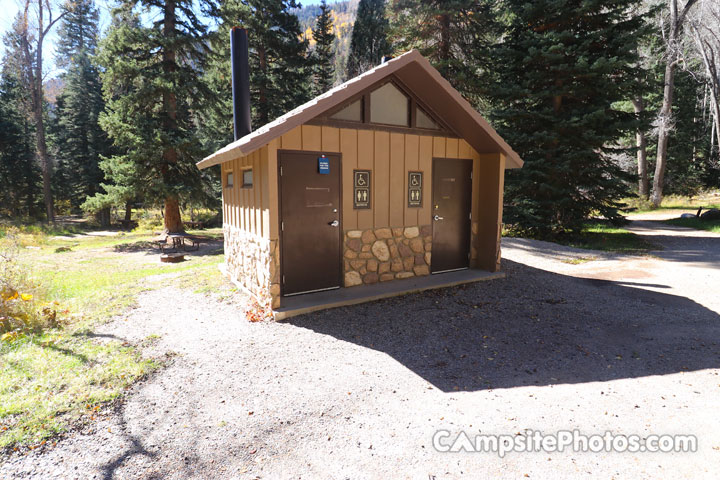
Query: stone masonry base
x=384, y=254
x=254, y=262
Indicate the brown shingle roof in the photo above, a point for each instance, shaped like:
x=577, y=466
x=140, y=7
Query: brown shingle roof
x=418, y=75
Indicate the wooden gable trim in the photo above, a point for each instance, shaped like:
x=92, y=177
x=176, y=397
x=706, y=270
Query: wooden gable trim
x=444, y=129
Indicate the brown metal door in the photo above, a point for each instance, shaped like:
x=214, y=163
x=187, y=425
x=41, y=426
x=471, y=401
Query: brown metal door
x=311, y=232
x=452, y=194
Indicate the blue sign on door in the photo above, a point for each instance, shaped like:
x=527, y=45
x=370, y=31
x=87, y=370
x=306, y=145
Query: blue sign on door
x=323, y=165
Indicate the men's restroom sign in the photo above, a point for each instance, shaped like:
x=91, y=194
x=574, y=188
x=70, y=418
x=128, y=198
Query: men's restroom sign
x=415, y=182
x=361, y=189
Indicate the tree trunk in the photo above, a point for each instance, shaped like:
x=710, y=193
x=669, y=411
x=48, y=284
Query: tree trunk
x=103, y=217
x=173, y=222
x=128, y=211
x=664, y=133
x=641, y=143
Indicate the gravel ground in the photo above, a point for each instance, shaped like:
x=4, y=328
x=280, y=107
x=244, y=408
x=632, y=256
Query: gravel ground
x=623, y=344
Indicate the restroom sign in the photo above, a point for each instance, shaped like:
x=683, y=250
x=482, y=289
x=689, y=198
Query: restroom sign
x=415, y=184
x=361, y=189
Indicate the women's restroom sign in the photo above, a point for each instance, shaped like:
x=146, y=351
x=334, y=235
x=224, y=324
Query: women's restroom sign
x=361, y=189
x=415, y=182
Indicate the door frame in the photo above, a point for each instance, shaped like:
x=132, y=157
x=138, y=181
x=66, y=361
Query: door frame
x=432, y=208
x=341, y=229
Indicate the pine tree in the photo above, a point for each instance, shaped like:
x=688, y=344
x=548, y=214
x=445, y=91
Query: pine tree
x=558, y=73
x=446, y=32
x=78, y=138
x=21, y=192
x=279, y=66
x=323, y=53
x=369, y=41
x=153, y=90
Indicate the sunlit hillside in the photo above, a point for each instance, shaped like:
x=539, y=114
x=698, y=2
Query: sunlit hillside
x=343, y=14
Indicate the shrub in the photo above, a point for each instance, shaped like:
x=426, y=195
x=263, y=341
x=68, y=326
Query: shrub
x=20, y=307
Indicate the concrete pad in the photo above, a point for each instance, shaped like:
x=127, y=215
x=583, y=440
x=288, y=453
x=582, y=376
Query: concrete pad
x=341, y=297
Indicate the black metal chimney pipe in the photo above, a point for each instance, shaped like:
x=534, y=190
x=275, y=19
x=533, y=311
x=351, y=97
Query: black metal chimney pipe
x=240, y=81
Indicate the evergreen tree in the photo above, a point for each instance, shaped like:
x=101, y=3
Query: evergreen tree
x=323, y=53
x=78, y=138
x=153, y=91
x=21, y=192
x=446, y=32
x=369, y=41
x=559, y=71
x=279, y=66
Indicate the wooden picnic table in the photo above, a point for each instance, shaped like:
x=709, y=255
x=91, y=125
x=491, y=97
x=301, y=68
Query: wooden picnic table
x=178, y=243
x=194, y=224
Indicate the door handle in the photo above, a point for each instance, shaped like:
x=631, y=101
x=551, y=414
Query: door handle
x=438, y=217
x=334, y=223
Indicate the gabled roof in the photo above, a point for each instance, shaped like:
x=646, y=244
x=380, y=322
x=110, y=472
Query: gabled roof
x=418, y=75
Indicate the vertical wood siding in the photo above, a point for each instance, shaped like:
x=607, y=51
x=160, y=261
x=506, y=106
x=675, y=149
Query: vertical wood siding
x=389, y=155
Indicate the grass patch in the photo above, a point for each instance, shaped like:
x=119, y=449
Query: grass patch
x=607, y=238
x=675, y=202
x=696, y=223
x=579, y=260
x=54, y=377
x=599, y=236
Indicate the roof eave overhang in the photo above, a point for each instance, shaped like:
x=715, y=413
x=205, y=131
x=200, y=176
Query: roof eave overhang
x=446, y=101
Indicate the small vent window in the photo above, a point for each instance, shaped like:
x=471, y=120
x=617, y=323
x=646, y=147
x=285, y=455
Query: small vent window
x=390, y=106
x=423, y=120
x=247, y=178
x=229, y=180
x=352, y=112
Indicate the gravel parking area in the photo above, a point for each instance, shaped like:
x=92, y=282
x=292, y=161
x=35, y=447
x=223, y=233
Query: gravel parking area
x=603, y=343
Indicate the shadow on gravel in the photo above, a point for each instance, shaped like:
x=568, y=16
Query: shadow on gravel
x=533, y=328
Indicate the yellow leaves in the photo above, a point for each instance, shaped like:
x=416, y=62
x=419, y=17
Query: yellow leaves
x=9, y=295
x=10, y=337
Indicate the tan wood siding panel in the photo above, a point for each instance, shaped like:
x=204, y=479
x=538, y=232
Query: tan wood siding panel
x=330, y=139
x=292, y=140
x=243, y=196
x=265, y=191
x=349, y=149
x=412, y=146
x=223, y=170
x=236, y=195
x=257, y=190
x=451, y=148
x=439, y=147
x=273, y=190
x=425, y=155
x=491, y=181
x=475, y=210
x=381, y=195
x=366, y=154
x=311, y=138
x=464, y=149
x=397, y=169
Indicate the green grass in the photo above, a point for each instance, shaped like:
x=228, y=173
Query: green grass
x=52, y=379
x=600, y=236
x=696, y=223
x=607, y=238
x=676, y=202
